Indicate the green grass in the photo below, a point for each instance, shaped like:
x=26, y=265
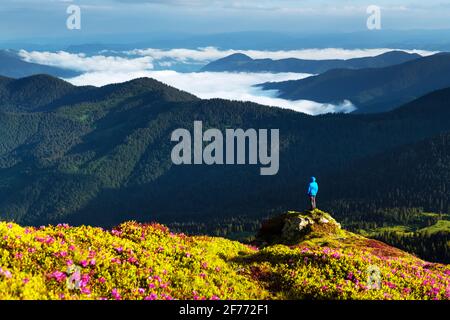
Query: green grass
x=440, y=226
x=403, y=229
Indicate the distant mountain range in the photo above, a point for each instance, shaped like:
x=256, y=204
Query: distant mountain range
x=88, y=155
x=12, y=65
x=372, y=89
x=436, y=40
x=242, y=63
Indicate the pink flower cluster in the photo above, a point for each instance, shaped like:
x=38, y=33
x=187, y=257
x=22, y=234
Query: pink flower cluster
x=6, y=273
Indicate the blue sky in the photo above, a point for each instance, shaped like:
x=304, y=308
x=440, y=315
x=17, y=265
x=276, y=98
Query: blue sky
x=46, y=18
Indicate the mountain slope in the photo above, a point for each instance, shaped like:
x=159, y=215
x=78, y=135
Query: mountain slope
x=242, y=63
x=46, y=93
x=416, y=172
x=135, y=262
x=372, y=90
x=102, y=155
x=389, y=196
x=34, y=92
x=413, y=175
x=12, y=65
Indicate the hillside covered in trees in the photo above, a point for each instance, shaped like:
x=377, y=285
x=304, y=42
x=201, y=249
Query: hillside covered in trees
x=371, y=90
x=101, y=156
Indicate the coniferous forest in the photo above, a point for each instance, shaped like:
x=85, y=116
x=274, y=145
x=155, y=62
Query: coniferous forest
x=102, y=156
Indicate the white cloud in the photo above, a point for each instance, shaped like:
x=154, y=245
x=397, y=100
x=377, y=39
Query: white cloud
x=83, y=63
x=103, y=69
x=144, y=59
x=211, y=53
x=231, y=86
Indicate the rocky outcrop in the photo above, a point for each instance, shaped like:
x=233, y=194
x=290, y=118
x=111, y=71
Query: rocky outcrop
x=293, y=227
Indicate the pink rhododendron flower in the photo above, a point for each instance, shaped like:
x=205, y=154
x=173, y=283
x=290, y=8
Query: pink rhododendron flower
x=132, y=260
x=164, y=285
x=84, y=280
x=116, y=233
x=153, y=296
x=85, y=290
x=157, y=278
x=115, y=294
x=336, y=255
x=6, y=273
x=58, y=276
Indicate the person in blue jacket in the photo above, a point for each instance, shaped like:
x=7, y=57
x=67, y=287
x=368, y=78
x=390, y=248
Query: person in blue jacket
x=313, y=189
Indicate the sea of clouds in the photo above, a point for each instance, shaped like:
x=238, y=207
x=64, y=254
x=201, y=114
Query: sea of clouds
x=211, y=53
x=113, y=67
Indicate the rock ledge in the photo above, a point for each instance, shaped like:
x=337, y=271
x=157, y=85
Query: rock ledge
x=293, y=227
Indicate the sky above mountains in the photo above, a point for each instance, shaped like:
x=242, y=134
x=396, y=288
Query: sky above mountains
x=162, y=65
x=47, y=18
x=169, y=40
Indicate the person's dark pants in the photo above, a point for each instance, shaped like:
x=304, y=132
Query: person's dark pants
x=313, y=202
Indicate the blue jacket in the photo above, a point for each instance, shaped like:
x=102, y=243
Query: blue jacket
x=313, y=187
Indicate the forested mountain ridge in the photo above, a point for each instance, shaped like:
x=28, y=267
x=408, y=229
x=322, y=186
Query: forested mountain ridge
x=239, y=62
x=372, y=90
x=416, y=175
x=102, y=155
x=32, y=93
x=44, y=93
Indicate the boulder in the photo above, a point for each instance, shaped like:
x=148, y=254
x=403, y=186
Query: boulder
x=293, y=227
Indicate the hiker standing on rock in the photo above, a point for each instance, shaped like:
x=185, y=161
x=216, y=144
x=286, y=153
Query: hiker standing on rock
x=312, y=192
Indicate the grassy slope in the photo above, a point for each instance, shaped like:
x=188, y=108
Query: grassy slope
x=135, y=261
x=442, y=225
